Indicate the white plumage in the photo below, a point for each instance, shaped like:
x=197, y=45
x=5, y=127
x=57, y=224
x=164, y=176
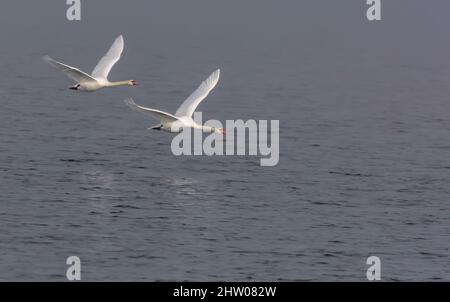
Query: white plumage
x=99, y=77
x=183, y=116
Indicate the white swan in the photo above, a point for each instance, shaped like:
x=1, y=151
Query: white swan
x=183, y=116
x=99, y=77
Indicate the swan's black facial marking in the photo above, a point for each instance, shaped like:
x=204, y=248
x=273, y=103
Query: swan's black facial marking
x=75, y=87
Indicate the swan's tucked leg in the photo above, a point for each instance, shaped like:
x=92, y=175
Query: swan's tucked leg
x=157, y=127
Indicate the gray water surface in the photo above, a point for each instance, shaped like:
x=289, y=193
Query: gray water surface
x=364, y=142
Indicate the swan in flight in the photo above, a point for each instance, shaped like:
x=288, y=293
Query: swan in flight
x=99, y=77
x=183, y=116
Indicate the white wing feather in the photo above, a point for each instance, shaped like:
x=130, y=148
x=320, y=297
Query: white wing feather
x=159, y=115
x=72, y=72
x=190, y=104
x=106, y=63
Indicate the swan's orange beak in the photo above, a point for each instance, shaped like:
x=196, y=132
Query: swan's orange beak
x=223, y=131
x=134, y=82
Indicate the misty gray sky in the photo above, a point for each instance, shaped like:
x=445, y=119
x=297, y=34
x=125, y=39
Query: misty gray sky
x=195, y=37
x=252, y=25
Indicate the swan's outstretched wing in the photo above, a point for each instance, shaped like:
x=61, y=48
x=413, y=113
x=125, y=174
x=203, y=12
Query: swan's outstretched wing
x=72, y=72
x=159, y=115
x=190, y=104
x=107, y=62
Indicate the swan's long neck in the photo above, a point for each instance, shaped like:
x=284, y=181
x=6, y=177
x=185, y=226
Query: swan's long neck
x=120, y=83
x=209, y=129
x=203, y=128
x=206, y=129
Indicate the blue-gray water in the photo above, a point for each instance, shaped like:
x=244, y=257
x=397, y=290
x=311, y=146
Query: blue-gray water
x=364, y=142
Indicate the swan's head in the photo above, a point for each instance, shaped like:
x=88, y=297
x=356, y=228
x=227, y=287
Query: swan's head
x=218, y=130
x=133, y=82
